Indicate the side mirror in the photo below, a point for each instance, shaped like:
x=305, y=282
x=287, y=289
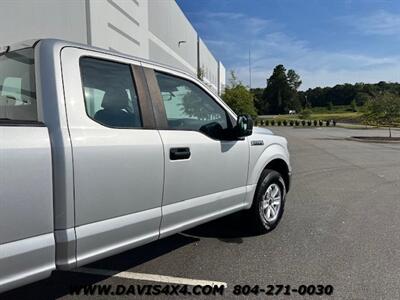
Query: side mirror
x=244, y=126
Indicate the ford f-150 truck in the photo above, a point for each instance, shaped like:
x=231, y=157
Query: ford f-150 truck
x=101, y=152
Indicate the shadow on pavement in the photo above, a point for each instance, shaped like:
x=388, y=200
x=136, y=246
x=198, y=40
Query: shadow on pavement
x=230, y=229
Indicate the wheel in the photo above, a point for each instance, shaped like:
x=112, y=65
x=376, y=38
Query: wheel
x=269, y=201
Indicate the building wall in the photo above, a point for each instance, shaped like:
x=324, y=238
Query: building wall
x=152, y=29
x=158, y=53
x=209, y=65
x=120, y=25
x=222, y=78
x=167, y=27
x=26, y=20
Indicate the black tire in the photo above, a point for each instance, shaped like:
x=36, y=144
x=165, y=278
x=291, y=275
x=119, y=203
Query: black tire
x=258, y=219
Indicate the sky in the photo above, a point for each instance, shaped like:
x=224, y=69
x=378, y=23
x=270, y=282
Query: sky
x=327, y=42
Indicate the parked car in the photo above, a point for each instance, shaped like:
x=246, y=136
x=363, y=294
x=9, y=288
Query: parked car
x=101, y=152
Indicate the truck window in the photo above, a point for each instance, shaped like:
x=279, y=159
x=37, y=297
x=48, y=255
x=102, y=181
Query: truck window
x=110, y=94
x=17, y=86
x=187, y=106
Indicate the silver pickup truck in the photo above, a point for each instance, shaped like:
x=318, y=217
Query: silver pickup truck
x=101, y=152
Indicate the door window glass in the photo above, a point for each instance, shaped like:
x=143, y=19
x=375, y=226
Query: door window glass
x=189, y=107
x=110, y=95
x=17, y=86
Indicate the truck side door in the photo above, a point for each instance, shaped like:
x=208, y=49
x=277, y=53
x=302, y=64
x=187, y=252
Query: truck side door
x=205, y=175
x=117, y=153
x=27, y=251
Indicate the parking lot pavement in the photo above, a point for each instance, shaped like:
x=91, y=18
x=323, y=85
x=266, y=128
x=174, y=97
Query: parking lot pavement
x=341, y=227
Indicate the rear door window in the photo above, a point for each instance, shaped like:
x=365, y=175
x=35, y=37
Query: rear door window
x=110, y=94
x=17, y=86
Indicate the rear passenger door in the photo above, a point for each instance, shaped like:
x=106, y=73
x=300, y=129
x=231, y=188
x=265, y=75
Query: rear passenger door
x=117, y=153
x=205, y=173
x=27, y=250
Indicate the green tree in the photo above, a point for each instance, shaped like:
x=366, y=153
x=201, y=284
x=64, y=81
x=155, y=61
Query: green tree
x=383, y=110
x=353, y=105
x=238, y=97
x=344, y=94
x=294, y=82
x=293, y=79
x=305, y=113
x=278, y=92
x=259, y=104
x=330, y=105
x=362, y=98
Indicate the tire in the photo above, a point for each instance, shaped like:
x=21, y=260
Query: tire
x=265, y=214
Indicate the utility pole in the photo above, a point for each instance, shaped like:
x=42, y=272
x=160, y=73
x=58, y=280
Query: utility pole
x=250, y=68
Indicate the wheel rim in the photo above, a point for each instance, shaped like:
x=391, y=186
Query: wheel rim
x=271, y=202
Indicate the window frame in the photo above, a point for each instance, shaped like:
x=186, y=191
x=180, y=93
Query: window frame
x=158, y=104
x=139, y=84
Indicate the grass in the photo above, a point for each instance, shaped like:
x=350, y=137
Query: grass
x=335, y=109
x=343, y=116
x=354, y=117
x=340, y=113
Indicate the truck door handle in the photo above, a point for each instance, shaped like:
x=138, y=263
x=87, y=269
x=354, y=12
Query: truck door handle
x=179, y=153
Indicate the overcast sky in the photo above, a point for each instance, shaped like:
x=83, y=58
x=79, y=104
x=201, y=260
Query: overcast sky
x=326, y=41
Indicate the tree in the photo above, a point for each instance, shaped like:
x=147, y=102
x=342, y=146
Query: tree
x=344, y=94
x=260, y=106
x=294, y=83
x=278, y=92
x=293, y=79
x=362, y=98
x=238, y=97
x=305, y=113
x=383, y=110
x=200, y=73
x=353, y=105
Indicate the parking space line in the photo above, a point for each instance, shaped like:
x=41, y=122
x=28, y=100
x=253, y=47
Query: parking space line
x=149, y=277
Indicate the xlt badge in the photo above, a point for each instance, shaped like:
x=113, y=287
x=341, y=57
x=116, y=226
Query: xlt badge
x=257, y=143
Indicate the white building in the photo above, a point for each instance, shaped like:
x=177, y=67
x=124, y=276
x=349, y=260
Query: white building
x=152, y=29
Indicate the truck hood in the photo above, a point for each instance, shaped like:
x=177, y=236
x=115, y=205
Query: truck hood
x=259, y=130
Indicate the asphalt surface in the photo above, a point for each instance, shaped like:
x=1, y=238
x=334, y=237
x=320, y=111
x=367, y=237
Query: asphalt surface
x=341, y=227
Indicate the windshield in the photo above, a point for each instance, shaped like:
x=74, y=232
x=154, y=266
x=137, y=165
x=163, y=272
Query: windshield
x=17, y=86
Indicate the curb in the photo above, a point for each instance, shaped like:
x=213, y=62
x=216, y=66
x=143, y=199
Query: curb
x=372, y=140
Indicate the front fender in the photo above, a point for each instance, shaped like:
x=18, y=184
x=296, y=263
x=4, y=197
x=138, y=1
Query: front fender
x=257, y=164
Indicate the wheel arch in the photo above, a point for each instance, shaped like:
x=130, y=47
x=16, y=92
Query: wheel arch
x=274, y=157
x=282, y=168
